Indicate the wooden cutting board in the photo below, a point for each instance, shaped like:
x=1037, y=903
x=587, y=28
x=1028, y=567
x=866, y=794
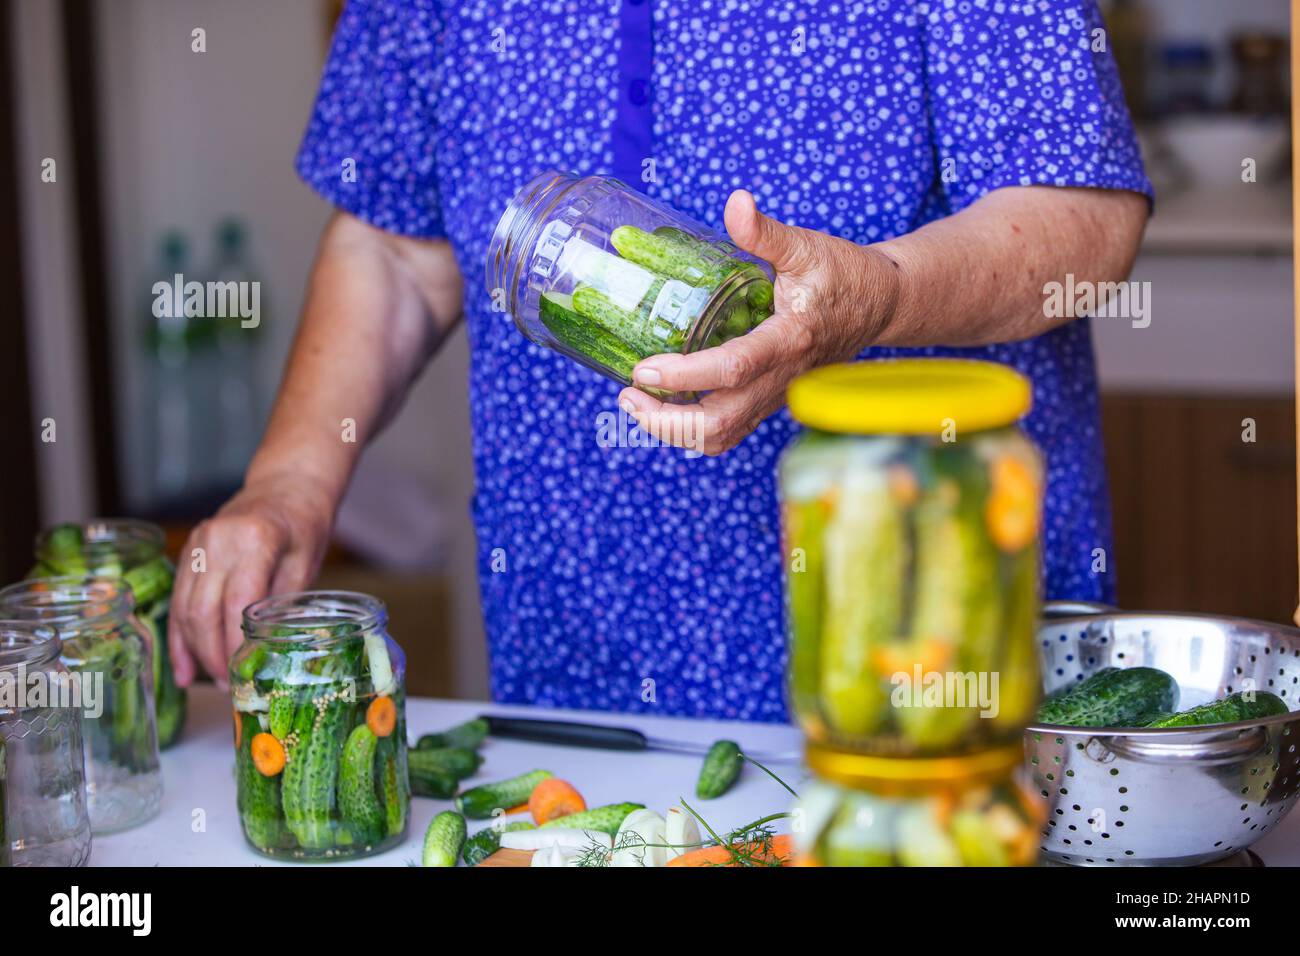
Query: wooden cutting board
x=509, y=858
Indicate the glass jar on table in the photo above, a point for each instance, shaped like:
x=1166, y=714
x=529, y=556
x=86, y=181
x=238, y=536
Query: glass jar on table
x=107, y=648
x=133, y=550
x=320, y=727
x=43, y=816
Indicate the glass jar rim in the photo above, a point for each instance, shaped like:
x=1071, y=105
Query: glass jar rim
x=128, y=537
x=71, y=601
x=301, y=615
x=27, y=642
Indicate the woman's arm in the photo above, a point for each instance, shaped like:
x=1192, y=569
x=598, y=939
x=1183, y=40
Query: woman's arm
x=972, y=278
x=377, y=307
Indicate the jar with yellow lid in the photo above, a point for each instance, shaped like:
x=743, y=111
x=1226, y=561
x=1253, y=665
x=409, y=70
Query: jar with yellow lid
x=863, y=810
x=911, y=511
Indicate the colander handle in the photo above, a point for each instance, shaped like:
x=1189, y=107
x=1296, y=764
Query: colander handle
x=1155, y=750
x=1052, y=610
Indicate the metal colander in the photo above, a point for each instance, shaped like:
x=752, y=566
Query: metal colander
x=1165, y=797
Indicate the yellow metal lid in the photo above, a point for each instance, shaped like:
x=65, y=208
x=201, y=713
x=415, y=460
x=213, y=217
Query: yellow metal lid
x=913, y=776
x=909, y=396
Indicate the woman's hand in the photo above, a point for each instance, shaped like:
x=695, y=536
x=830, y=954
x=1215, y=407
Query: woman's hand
x=832, y=299
x=268, y=539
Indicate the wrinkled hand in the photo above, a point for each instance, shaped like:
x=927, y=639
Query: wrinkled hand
x=268, y=539
x=832, y=298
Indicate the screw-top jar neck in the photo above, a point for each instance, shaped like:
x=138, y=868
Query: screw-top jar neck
x=72, y=604
x=315, y=617
x=517, y=229
x=129, y=541
x=27, y=642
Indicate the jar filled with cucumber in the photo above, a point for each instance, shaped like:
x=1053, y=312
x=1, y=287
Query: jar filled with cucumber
x=910, y=513
x=962, y=811
x=105, y=649
x=320, y=727
x=133, y=550
x=607, y=276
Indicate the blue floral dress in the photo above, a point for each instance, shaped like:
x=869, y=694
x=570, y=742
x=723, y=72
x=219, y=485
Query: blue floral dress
x=643, y=579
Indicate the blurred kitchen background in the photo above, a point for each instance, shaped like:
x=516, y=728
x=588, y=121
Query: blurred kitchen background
x=168, y=161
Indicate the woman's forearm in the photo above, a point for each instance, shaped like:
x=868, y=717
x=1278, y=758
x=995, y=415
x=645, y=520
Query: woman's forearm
x=978, y=276
x=377, y=306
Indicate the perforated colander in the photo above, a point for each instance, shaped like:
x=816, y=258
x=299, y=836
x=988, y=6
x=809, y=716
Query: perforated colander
x=1166, y=797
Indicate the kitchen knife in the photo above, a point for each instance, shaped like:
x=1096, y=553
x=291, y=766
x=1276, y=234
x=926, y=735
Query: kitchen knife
x=570, y=733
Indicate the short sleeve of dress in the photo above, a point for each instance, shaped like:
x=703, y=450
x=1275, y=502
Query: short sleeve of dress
x=1025, y=93
x=369, y=146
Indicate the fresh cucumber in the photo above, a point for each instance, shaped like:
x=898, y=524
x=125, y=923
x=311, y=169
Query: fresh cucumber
x=631, y=326
x=358, y=802
x=488, y=840
x=394, y=787
x=666, y=254
x=280, y=713
x=258, y=797
x=430, y=781
x=606, y=819
x=1244, y=705
x=469, y=735
x=312, y=772
x=456, y=762
x=444, y=839
x=720, y=771
x=478, y=803
x=585, y=337
x=150, y=581
x=1113, y=698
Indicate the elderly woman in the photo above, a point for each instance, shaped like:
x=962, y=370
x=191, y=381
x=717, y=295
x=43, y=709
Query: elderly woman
x=916, y=173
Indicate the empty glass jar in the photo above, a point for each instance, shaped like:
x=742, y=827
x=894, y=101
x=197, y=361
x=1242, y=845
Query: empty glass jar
x=106, y=647
x=320, y=727
x=134, y=550
x=599, y=272
x=43, y=816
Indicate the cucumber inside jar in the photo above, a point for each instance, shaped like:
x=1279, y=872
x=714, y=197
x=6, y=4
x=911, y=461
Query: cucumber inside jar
x=132, y=550
x=320, y=743
x=899, y=569
x=648, y=298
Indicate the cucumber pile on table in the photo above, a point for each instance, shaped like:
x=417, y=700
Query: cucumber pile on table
x=1148, y=697
x=320, y=746
x=595, y=320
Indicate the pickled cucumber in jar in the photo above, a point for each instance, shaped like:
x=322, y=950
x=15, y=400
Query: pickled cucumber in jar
x=910, y=512
x=319, y=728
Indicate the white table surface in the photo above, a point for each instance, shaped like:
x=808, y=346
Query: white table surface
x=198, y=824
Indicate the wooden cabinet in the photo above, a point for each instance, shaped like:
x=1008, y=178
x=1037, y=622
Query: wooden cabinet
x=1204, y=521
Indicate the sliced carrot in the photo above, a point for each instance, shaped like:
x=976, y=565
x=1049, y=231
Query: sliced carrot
x=781, y=850
x=239, y=728
x=381, y=716
x=522, y=808
x=1012, y=509
x=268, y=754
x=554, y=798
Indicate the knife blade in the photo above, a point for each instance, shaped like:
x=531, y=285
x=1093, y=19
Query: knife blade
x=572, y=733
